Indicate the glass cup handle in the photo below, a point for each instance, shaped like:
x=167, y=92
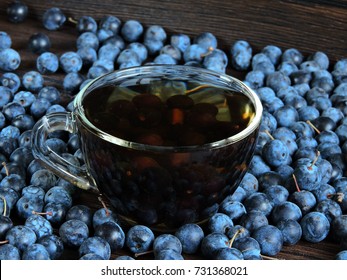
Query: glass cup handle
x=51, y=160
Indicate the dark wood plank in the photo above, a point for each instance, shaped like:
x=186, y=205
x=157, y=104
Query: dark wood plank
x=306, y=25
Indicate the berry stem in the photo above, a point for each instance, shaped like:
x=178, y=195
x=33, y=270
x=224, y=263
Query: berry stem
x=339, y=196
x=314, y=128
x=231, y=241
x=6, y=169
x=315, y=160
x=3, y=242
x=268, y=257
x=72, y=20
x=49, y=213
x=5, y=205
x=188, y=91
x=268, y=133
x=296, y=183
x=104, y=205
x=209, y=51
x=142, y=253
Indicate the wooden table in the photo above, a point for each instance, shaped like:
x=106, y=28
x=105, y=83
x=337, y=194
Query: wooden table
x=309, y=26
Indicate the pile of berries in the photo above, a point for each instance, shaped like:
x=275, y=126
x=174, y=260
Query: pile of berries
x=295, y=188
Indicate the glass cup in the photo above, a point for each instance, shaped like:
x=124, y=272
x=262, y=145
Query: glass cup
x=162, y=184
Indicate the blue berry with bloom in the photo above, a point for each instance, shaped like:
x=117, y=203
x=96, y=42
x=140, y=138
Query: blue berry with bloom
x=96, y=71
x=321, y=58
x=103, y=215
x=342, y=255
x=53, y=244
x=132, y=30
x=35, y=252
x=86, y=24
x=292, y=55
x=55, y=108
x=50, y=93
x=53, y=18
x=87, y=39
x=5, y=96
x=216, y=60
x=167, y=241
x=207, y=41
x=248, y=246
x=270, y=239
x=308, y=176
x=128, y=55
x=212, y=242
x=25, y=98
x=115, y=40
x=104, y=62
x=12, y=109
x=273, y=53
x=140, y=49
x=287, y=67
x=139, y=239
x=228, y=253
x=39, y=225
x=103, y=35
x=174, y=52
x=253, y=220
x=112, y=233
x=9, y=59
x=168, y=254
x=194, y=52
x=33, y=81
x=220, y=222
x=72, y=82
x=108, y=52
x=153, y=46
x=5, y=40
x=88, y=55
x=284, y=211
x=155, y=32
x=73, y=233
x=70, y=62
x=21, y=237
x=164, y=59
x=80, y=212
x=47, y=63
x=180, y=41
x=255, y=79
x=110, y=23
x=190, y=236
x=10, y=131
x=58, y=194
x=315, y=227
x=233, y=208
x=39, y=107
x=291, y=231
x=241, y=55
x=277, y=80
x=95, y=245
x=9, y=252
x=11, y=81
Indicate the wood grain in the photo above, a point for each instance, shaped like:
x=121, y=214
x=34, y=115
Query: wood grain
x=306, y=25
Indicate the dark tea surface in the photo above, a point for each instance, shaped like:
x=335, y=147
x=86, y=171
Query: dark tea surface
x=169, y=113
x=165, y=188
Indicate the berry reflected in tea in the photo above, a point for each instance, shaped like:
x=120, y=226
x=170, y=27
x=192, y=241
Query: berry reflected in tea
x=195, y=115
x=169, y=168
